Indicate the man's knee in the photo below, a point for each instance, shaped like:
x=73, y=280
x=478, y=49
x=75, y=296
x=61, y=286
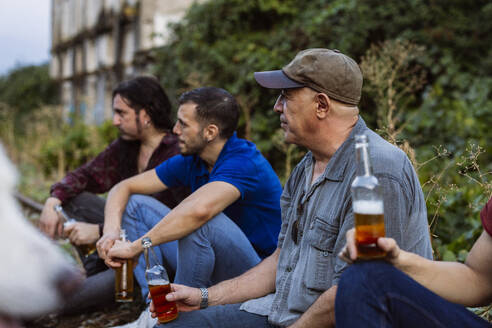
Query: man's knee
x=353, y=275
x=217, y=228
x=134, y=203
x=135, y=200
x=85, y=199
x=86, y=207
x=361, y=272
x=368, y=275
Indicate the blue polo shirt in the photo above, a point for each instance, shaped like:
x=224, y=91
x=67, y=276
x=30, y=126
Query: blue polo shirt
x=257, y=211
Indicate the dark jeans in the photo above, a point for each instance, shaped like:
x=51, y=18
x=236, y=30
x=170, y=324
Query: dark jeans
x=89, y=208
x=98, y=289
x=376, y=294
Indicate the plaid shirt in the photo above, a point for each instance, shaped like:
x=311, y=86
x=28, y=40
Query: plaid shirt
x=114, y=164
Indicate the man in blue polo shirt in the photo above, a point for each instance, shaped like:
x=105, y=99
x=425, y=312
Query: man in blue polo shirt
x=229, y=222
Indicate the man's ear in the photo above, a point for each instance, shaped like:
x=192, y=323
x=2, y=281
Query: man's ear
x=210, y=132
x=323, y=105
x=144, y=117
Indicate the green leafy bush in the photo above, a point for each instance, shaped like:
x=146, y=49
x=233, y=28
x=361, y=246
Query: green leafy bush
x=222, y=42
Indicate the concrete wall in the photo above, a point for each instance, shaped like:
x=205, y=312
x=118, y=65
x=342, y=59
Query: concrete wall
x=97, y=43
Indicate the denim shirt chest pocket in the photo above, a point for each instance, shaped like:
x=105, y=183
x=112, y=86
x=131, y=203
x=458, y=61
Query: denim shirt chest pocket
x=321, y=238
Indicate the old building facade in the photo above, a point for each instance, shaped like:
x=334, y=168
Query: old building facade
x=97, y=43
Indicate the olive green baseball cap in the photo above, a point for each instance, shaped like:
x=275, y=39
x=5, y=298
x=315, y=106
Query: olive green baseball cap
x=323, y=70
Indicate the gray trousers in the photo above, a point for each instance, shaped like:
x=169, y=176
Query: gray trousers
x=89, y=208
x=98, y=289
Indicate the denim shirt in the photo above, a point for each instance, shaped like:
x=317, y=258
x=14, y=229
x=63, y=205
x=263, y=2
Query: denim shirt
x=324, y=210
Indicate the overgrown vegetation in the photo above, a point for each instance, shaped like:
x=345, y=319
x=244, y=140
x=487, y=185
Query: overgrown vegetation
x=427, y=89
x=48, y=147
x=428, y=84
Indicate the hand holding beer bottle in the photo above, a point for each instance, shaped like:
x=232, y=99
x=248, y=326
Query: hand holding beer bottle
x=349, y=252
x=367, y=203
x=68, y=225
x=123, y=289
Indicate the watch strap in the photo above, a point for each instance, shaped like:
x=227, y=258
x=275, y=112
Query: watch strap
x=204, y=301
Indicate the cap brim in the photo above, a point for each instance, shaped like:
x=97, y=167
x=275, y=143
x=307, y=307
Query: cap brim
x=275, y=80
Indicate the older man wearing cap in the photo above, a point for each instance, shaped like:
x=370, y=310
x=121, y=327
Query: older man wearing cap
x=296, y=285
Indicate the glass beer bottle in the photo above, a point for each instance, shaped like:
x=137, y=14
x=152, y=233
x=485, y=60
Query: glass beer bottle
x=86, y=249
x=159, y=286
x=367, y=203
x=123, y=289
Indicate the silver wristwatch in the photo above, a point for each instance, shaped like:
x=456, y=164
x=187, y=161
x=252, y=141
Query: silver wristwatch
x=146, y=242
x=204, y=301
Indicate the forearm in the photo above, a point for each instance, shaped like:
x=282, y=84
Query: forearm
x=453, y=281
x=256, y=282
x=115, y=206
x=193, y=212
x=321, y=313
x=178, y=223
x=146, y=183
x=52, y=201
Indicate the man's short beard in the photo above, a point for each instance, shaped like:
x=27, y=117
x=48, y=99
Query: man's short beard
x=196, y=149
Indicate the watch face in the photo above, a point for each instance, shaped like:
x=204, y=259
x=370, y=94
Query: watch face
x=146, y=242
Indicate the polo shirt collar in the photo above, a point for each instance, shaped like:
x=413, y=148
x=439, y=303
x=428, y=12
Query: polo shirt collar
x=227, y=146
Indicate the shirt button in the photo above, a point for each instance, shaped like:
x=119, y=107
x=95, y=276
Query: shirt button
x=325, y=254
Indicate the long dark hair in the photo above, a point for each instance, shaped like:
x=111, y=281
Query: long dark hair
x=145, y=92
x=214, y=105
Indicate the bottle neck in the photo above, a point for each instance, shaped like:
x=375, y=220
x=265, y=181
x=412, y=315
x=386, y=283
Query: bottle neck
x=146, y=244
x=363, y=161
x=122, y=235
x=146, y=256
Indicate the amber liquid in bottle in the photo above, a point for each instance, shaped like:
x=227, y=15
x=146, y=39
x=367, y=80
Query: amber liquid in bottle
x=165, y=310
x=123, y=288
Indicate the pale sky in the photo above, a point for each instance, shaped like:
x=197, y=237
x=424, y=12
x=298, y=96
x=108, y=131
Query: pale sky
x=25, y=37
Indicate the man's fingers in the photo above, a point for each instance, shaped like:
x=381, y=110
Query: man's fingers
x=151, y=305
x=345, y=256
x=111, y=263
x=43, y=227
x=352, y=251
x=50, y=230
x=106, y=246
x=184, y=294
x=351, y=247
x=59, y=229
x=100, y=248
x=177, y=293
x=390, y=246
x=386, y=244
x=152, y=309
x=68, y=230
